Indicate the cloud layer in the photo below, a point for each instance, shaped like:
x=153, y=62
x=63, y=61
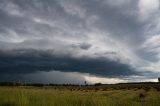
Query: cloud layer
x=102, y=38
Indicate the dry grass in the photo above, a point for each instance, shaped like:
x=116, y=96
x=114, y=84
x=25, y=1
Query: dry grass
x=32, y=96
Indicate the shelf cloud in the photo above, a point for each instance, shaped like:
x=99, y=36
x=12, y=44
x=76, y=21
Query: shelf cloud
x=102, y=38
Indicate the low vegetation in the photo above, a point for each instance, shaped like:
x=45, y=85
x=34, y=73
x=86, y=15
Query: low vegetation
x=98, y=95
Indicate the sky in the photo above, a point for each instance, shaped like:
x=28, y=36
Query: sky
x=72, y=41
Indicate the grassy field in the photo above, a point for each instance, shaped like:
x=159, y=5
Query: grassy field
x=50, y=96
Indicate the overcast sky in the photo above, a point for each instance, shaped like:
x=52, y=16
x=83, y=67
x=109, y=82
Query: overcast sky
x=71, y=41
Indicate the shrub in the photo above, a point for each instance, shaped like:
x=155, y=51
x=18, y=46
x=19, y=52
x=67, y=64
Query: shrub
x=159, y=79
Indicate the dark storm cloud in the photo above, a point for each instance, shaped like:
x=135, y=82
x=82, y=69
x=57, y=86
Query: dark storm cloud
x=108, y=38
x=120, y=21
x=112, y=19
x=31, y=61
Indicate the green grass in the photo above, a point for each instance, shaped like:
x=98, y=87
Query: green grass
x=32, y=96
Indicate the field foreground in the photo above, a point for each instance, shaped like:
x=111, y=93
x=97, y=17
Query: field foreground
x=50, y=96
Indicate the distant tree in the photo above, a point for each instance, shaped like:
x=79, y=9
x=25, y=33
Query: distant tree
x=159, y=79
x=85, y=83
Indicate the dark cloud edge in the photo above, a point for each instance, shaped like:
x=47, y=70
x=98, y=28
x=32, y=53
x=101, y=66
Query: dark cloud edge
x=22, y=61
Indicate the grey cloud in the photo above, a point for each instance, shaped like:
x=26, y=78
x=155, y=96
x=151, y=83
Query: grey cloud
x=90, y=36
x=30, y=61
x=55, y=77
x=83, y=46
